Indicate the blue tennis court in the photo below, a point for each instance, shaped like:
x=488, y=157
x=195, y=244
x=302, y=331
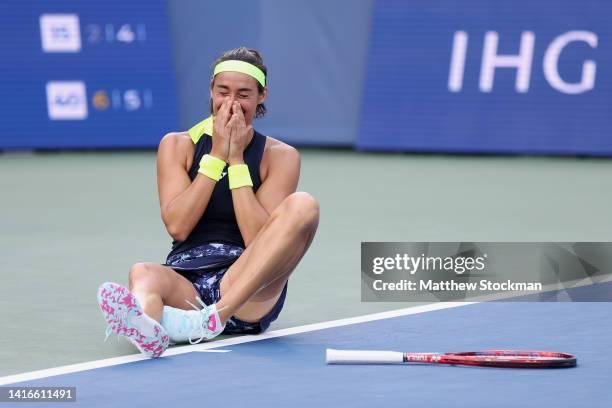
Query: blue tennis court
x=282, y=369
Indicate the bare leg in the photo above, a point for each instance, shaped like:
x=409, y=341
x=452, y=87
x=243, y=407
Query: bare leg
x=252, y=285
x=155, y=285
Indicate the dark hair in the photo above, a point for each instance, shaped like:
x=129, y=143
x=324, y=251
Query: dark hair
x=252, y=57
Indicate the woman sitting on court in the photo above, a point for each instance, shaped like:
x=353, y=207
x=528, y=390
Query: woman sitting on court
x=227, y=198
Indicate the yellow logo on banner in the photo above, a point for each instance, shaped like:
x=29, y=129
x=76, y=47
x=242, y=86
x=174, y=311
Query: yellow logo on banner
x=100, y=100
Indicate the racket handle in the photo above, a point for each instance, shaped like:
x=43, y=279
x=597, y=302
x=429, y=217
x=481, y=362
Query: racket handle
x=363, y=357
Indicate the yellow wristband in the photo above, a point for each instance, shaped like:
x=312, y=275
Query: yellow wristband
x=211, y=167
x=239, y=176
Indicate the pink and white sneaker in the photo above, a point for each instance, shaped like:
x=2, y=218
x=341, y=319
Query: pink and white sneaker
x=125, y=317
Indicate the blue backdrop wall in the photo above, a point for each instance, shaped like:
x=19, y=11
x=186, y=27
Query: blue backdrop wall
x=79, y=74
x=484, y=76
x=514, y=76
x=315, y=52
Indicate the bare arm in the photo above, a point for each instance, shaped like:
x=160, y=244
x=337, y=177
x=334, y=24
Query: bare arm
x=182, y=202
x=253, y=210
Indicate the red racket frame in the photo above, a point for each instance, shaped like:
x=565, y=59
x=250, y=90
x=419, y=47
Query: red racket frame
x=497, y=358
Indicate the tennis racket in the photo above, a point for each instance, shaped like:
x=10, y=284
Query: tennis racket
x=486, y=358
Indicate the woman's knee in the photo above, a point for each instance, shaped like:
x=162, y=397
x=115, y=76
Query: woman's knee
x=143, y=274
x=303, y=208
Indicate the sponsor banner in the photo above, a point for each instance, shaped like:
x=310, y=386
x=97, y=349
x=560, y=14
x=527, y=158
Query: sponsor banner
x=85, y=74
x=481, y=76
x=477, y=271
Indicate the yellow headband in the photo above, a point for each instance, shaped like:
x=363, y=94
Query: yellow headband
x=243, y=67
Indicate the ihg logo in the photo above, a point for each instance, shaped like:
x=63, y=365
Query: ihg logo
x=523, y=62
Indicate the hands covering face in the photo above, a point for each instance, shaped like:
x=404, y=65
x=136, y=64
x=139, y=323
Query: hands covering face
x=230, y=133
x=239, y=135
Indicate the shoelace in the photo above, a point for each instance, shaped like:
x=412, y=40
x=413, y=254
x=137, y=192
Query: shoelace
x=204, y=317
x=108, y=333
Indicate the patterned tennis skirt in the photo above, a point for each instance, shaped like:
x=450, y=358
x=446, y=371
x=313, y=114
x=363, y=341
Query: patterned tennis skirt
x=204, y=266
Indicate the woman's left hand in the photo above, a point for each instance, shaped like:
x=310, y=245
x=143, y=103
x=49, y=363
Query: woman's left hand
x=240, y=134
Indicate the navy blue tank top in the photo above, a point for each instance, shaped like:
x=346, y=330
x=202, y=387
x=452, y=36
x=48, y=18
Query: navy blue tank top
x=218, y=223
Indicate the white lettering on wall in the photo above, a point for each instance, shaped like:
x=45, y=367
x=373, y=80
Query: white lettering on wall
x=522, y=62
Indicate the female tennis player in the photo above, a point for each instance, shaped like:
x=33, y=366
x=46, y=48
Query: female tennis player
x=228, y=200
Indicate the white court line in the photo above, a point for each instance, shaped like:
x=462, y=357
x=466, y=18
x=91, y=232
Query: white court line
x=74, y=368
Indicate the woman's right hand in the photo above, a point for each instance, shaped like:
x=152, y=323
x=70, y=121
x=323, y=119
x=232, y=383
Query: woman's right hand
x=221, y=132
